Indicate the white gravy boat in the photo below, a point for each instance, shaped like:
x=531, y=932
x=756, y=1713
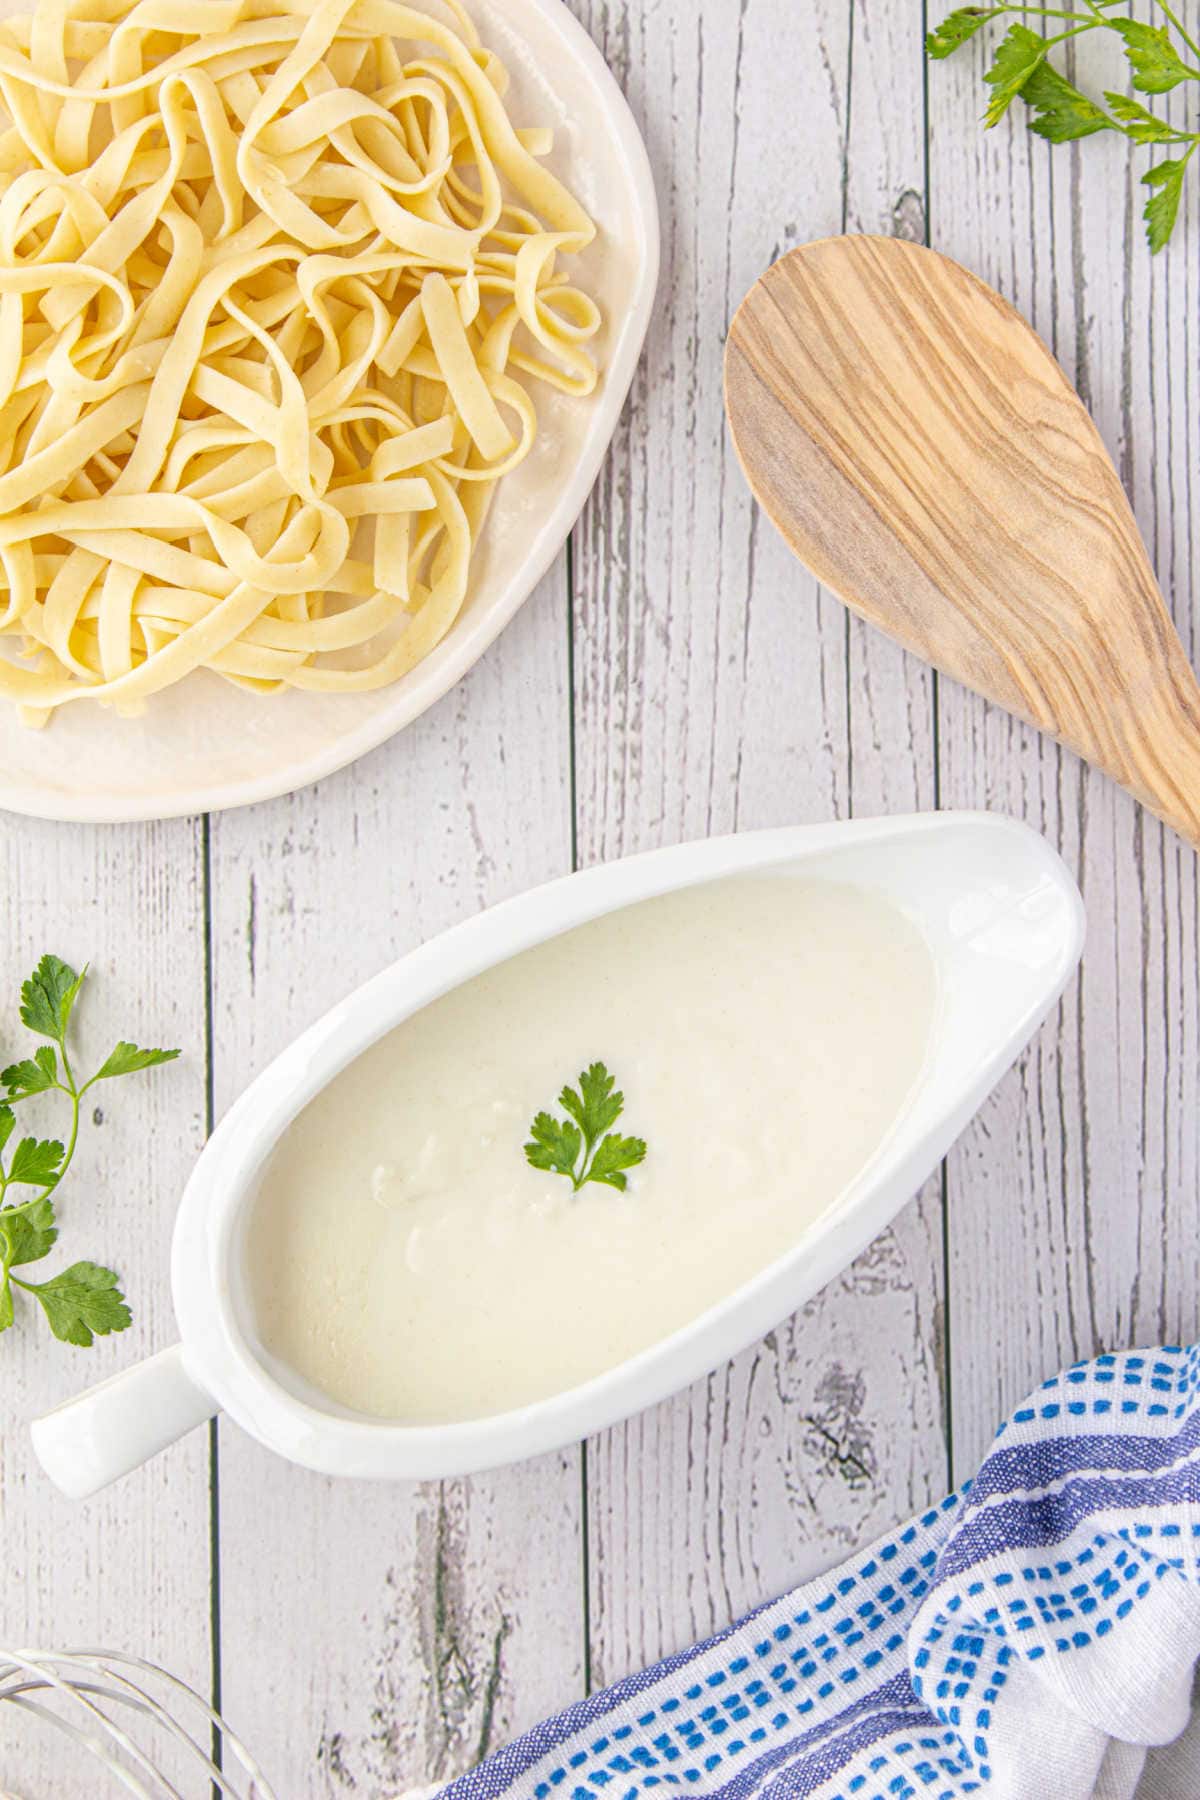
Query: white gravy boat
x=1004, y=921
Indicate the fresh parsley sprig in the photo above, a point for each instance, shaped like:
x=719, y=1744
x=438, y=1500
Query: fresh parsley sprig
x=581, y=1146
x=1060, y=111
x=83, y=1302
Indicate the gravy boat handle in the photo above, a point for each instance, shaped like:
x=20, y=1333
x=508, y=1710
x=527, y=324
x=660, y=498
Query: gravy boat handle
x=109, y=1429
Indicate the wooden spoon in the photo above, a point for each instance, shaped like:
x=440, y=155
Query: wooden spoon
x=920, y=449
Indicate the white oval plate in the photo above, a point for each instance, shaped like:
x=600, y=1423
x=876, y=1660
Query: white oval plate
x=1004, y=923
x=205, y=745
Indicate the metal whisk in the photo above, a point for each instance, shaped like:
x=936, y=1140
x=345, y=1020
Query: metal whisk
x=125, y=1713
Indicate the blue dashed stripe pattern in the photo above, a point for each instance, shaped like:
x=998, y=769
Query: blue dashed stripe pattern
x=1035, y=1634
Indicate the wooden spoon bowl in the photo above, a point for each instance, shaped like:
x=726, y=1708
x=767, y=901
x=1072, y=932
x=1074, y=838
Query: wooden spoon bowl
x=921, y=450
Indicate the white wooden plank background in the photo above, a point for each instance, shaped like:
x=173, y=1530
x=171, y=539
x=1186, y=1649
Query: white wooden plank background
x=676, y=675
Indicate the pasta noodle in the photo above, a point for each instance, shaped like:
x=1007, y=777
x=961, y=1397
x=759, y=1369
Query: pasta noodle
x=275, y=278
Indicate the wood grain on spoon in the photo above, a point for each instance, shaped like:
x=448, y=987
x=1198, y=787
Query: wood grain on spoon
x=920, y=449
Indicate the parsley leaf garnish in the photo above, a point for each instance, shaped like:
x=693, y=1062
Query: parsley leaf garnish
x=1162, y=208
x=1060, y=111
x=1156, y=64
x=1139, y=122
x=1019, y=55
x=581, y=1147
x=81, y=1304
x=127, y=1059
x=37, y=1164
x=955, y=29
x=48, y=996
x=27, y=1233
x=613, y=1156
x=553, y=1145
x=33, y=1076
x=84, y=1301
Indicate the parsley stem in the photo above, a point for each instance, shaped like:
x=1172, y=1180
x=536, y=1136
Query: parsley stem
x=1046, y=11
x=24, y=1205
x=66, y=1063
x=31, y=1287
x=1077, y=31
x=74, y=1093
x=1049, y=12
x=71, y=1141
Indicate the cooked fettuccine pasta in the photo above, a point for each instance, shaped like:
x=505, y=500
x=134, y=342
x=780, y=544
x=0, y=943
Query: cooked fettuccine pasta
x=276, y=279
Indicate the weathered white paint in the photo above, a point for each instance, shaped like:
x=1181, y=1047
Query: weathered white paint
x=372, y=1639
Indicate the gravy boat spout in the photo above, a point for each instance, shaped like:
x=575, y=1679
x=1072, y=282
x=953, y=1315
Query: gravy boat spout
x=1003, y=923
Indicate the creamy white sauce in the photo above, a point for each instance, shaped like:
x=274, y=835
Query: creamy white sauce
x=405, y=1259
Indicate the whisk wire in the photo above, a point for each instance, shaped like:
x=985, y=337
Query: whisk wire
x=131, y=1695
x=88, y=1742
x=44, y=1667
x=87, y=1679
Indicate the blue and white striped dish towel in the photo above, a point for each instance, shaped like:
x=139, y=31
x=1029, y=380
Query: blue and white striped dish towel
x=1032, y=1638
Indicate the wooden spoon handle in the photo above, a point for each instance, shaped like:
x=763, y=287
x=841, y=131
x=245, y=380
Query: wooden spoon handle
x=920, y=449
